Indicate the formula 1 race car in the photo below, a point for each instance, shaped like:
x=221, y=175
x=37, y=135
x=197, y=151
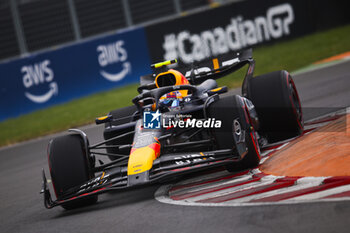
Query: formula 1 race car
x=177, y=125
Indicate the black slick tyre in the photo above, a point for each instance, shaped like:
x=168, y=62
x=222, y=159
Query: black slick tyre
x=69, y=167
x=229, y=110
x=277, y=104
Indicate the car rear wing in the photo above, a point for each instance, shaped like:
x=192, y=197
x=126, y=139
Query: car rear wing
x=198, y=75
x=229, y=66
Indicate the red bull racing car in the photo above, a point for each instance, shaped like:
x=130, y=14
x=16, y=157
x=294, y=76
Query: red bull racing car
x=177, y=125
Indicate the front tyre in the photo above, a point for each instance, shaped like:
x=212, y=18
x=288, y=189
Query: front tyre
x=69, y=167
x=236, y=123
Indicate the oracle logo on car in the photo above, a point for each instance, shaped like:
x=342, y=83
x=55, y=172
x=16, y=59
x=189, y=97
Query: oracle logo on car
x=111, y=54
x=239, y=33
x=39, y=74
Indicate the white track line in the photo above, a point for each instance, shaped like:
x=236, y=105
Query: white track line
x=301, y=183
x=322, y=194
x=264, y=181
x=204, y=177
x=314, y=67
x=161, y=195
x=328, y=115
x=196, y=188
x=263, y=160
x=223, y=192
x=267, y=152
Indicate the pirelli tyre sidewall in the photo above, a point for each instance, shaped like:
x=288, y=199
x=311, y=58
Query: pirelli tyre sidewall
x=69, y=167
x=277, y=104
x=229, y=110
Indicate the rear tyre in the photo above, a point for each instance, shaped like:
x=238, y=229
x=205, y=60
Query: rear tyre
x=229, y=110
x=69, y=167
x=277, y=103
x=125, y=115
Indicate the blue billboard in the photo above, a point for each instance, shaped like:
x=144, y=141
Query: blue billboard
x=57, y=76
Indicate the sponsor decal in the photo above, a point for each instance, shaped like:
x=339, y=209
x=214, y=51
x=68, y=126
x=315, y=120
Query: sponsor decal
x=111, y=54
x=39, y=74
x=237, y=34
x=207, y=69
x=94, y=183
x=188, y=159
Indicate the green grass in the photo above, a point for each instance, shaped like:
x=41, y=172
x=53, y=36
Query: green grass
x=295, y=54
x=61, y=117
x=289, y=55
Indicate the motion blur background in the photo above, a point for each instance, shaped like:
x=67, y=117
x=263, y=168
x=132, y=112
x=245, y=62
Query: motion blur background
x=63, y=62
x=30, y=25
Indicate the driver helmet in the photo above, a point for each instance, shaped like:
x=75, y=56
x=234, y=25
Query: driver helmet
x=172, y=78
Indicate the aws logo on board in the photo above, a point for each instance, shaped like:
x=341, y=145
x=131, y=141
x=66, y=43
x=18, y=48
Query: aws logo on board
x=38, y=79
x=112, y=54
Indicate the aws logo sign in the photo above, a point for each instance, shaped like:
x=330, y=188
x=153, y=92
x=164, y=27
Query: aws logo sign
x=35, y=77
x=113, y=54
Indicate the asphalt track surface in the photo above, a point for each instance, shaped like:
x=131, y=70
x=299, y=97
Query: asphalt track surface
x=22, y=210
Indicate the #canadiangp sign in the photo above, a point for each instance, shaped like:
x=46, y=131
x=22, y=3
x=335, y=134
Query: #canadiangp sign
x=237, y=34
x=229, y=28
